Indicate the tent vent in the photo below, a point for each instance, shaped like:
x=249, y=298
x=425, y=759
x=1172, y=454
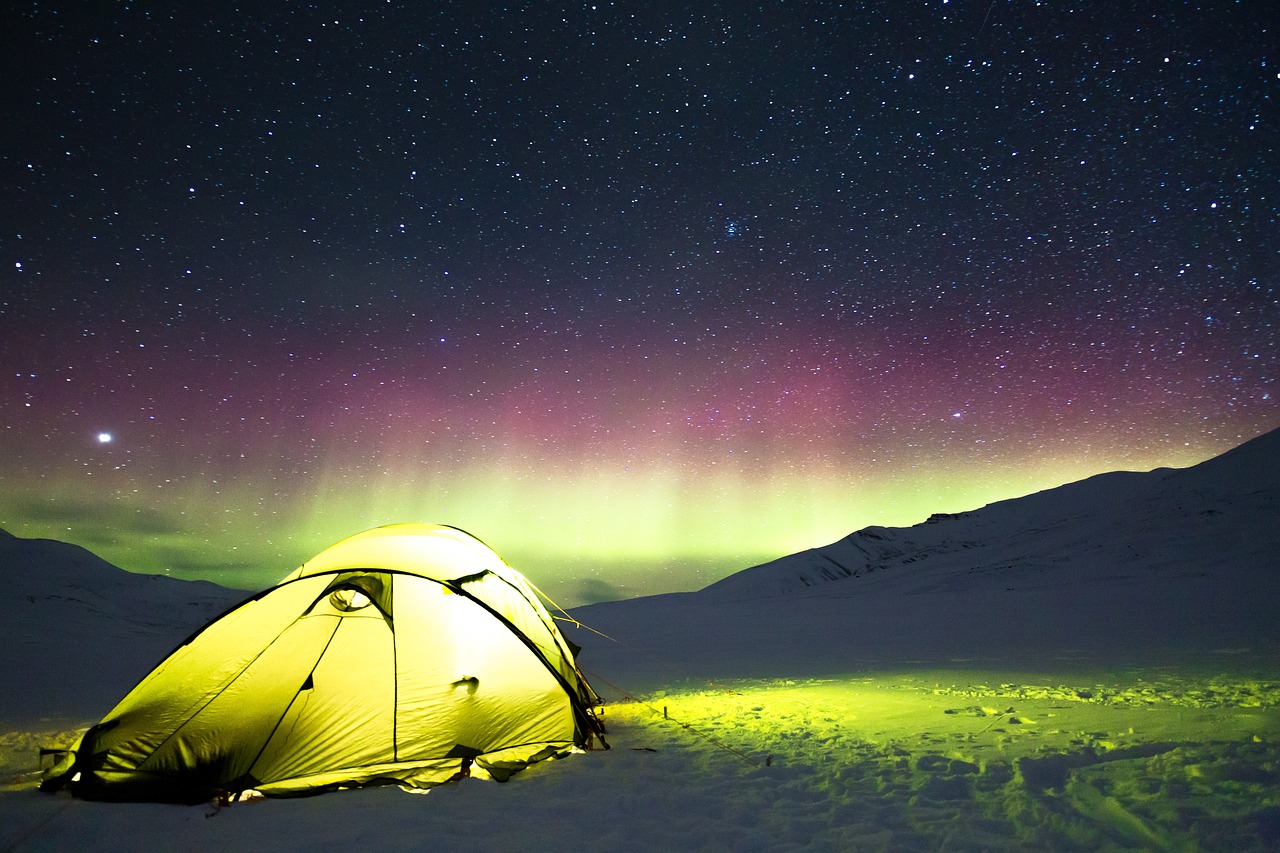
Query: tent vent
x=349, y=600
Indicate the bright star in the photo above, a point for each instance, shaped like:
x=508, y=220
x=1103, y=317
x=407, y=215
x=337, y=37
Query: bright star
x=104, y=438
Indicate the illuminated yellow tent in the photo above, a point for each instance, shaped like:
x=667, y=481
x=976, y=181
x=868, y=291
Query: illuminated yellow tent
x=409, y=654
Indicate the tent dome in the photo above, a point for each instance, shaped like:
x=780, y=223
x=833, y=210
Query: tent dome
x=407, y=654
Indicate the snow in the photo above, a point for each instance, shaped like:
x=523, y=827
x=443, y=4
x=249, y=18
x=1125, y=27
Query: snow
x=1094, y=666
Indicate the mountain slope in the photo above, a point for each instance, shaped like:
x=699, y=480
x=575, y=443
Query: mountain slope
x=78, y=621
x=1119, y=568
x=1118, y=527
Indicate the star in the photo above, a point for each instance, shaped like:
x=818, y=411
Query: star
x=975, y=263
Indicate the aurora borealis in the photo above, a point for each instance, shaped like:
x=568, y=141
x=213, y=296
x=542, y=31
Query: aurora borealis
x=639, y=294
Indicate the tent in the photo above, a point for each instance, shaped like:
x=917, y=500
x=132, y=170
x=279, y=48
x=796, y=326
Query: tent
x=409, y=654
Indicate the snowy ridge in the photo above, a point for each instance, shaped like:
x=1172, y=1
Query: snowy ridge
x=88, y=628
x=1118, y=527
x=76, y=580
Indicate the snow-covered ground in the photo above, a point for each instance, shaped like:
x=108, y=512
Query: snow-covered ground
x=1097, y=666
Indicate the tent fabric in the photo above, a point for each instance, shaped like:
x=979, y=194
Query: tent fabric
x=406, y=654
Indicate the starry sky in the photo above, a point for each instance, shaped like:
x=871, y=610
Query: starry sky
x=641, y=294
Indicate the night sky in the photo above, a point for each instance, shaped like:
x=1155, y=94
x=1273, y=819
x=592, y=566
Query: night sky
x=641, y=294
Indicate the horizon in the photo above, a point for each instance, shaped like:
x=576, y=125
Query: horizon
x=647, y=576
x=640, y=298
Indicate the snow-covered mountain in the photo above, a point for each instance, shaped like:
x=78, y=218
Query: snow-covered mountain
x=1118, y=527
x=78, y=580
x=77, y=622
x=1121, y=566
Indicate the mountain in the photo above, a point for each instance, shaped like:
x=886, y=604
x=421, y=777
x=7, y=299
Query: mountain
x=1119, y=527
x=79, y=622
x=1119, y=567
x=82, y=582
